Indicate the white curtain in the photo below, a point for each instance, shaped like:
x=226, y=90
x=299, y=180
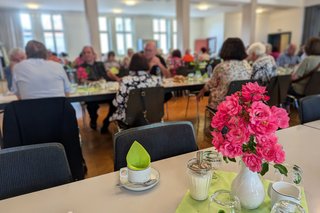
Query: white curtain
x=10, y=29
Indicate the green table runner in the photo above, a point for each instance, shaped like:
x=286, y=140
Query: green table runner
x=223, y=181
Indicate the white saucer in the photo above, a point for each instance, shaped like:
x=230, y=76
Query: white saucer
x=126, y=184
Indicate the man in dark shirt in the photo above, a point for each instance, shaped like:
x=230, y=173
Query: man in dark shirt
x=97, y=72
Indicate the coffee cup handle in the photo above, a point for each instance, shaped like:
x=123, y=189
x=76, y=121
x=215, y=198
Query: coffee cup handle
x=123, y=172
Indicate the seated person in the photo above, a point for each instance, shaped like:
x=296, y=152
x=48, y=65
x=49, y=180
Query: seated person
x=288, y=58
x=139, y=78
x=37, y=77
x=263, y=67
x=95, y=71
x=175, y=61
x=310, y=62
x=187, y=58
x=204, y=56
x=16, y=55
x=234, y=67
x=111, y=64
x=127, y=59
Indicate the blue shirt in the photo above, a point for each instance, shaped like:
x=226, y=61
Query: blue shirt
x=285, y=60
x=8, y=76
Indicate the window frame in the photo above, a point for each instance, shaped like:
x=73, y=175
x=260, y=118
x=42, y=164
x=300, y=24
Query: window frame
x=124, y=32
x=24, y=30
x=160, y=33
x=107, y=32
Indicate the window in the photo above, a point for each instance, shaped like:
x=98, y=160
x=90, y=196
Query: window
x=123, y=34
x=174, y=34
x=53, y=32
x=26, y=26
x=104, y=35
x=160, y=33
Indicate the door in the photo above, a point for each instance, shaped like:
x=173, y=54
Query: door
x=279, y=41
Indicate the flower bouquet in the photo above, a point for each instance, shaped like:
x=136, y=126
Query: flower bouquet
x=82, y=74
x=244, y=126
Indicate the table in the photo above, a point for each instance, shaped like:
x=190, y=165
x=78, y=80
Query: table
x=99, y=194
x=105, y=94
x=313, y=124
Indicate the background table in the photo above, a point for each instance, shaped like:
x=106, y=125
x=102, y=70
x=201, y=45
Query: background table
x=313, y=124
x=99, y=194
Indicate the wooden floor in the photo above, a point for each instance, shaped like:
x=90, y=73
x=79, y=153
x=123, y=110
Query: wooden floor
x=98, y=149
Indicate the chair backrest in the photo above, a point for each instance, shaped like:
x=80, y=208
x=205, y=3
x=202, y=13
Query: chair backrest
x=42, y=121
x=31, y=168
x=145, y=106
x=161, y=140
x=236, y=86
x=185, y=71
x=284, y=82
x=273, y=91
x=309, y=108
x=313, y=87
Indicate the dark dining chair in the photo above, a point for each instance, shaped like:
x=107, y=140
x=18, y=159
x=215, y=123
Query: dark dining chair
x=44, y=120
x=309, y=108
x=161, y=140
x=236, y=86
x=273, y=91
x=30, y=168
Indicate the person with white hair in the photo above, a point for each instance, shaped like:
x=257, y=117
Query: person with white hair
x=15, y=55
x=264, y=66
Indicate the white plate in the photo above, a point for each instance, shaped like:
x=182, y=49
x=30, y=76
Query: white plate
x=154, y=175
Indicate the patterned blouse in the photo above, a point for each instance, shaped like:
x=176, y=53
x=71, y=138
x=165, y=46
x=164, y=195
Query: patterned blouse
x=223, y=74
x=141, y=79
x=263, y=69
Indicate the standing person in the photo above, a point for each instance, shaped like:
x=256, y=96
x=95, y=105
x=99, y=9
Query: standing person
x=288, y=58
x=37, y=77
x=96, y=71
x=16, y=55
x=155, y=61
x=233, y=67
x=263, y=67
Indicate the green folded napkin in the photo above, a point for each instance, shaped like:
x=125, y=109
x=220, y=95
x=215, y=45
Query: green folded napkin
x=224, y=180
x=138, y=158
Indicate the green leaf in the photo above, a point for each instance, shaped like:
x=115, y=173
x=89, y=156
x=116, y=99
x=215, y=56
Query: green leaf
x=265, y=168
x=232, y=159
x=282, y=169
x=221, y=211
x=225, y=159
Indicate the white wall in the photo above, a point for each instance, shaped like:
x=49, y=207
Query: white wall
x=290, y=20
x=196, y=31
x=76, y=32
x=214, y=27
x=232, y=25
x=262, y=27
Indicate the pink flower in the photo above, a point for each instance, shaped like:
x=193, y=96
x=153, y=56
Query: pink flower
x=238, y=135
x=261, y=119
x=217, y=140
x=231, y=150
x=279, y=154
x=82, y=73
x=219, y=120
x=252, y=161
x=266, y=140
x=254, y=92
x=281, y=116
x=231, y=105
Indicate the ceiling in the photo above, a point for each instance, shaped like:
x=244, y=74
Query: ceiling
x=147, y=7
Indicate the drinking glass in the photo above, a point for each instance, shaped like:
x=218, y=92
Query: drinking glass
x=294, y=174
x=286, y=206
x=224, y=201
x=215, y=159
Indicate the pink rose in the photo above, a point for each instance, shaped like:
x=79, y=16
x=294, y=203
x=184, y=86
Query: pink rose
x=82, y=74
x=261, y=120
x=231, y=105
x=252, y=161
x=217, y=140
x=280, y=155
x=238, y=135
x=231, y=150
x=266, y=140
x=253, y=92
x=219, y=120
x=281, y=116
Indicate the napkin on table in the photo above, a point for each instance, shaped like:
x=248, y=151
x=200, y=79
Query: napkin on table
x=138, y=158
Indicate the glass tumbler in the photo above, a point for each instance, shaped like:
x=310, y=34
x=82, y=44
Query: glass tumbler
x=222, y=201
x=286, y=206
x=294, y=174
x=215, y=159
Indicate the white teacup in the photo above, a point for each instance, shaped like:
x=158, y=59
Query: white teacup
x=136, y=176
x=284, y=191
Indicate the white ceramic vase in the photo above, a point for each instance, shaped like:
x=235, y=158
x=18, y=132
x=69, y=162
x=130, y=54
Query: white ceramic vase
x=248, y=187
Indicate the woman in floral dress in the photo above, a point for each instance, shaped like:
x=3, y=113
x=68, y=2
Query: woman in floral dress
x=234, y=67
x=139, y=77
